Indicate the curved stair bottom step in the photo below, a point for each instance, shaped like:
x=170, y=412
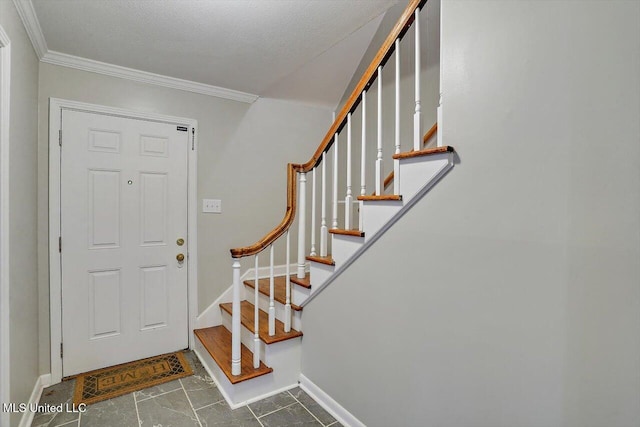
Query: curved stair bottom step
x=284, y=375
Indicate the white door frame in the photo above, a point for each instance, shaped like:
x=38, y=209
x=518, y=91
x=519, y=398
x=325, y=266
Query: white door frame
x=5, y=79
x=56, y=106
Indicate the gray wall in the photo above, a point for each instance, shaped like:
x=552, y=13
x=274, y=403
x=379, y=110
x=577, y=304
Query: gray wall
x=22, y=209
x=243, y=152
x=510, y=295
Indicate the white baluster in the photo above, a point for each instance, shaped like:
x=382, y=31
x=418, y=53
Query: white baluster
x=302, y=224
x=334, y=220
x=348, y=200
x=379, y=177
x=256, y=317
x=235, y=321
x=363, y=157
x=396, y=163
x=313, y=212
x=287, y=306
x=417, y=116
x=324, y=231
x=272, y=306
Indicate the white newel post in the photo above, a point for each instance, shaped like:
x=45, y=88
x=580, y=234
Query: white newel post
x=324, y=231
x=348, y=200
x=287, y=306
x=302, y=224
x=396, y=162
x=256, y=317
x=272, y=306
x=417, y=116
x=379, y=170
x=235, y=321
x=313, y=212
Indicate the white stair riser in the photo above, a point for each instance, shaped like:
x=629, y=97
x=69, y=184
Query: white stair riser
x=417, y=172
x=263, y=304
x=376, y=214
x=300, y=294
x=320, y=273
x=344, y=246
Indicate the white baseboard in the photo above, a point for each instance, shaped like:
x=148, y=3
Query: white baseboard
x=41, y=382
x=265, y=395
x=345, y=417
x=211, y=315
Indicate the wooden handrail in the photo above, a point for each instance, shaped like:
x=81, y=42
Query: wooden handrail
x=273, y=235
x=384, y=53
x=427, y=137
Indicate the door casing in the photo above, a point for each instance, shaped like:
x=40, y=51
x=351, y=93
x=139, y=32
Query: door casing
x=56, y=106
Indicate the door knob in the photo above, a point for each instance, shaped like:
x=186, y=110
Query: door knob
x=180, y=257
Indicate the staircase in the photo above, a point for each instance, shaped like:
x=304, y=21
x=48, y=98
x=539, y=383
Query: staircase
x=255, y=351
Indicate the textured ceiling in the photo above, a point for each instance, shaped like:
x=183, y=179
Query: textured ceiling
x=252, y=46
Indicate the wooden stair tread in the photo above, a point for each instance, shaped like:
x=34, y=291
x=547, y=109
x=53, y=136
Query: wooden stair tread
x=279, y=289
x=247, y=312
x=217, y=341
x=382, y=197
x=356, y=233
x=425, y=152
x=305, y=283
x=322, y=259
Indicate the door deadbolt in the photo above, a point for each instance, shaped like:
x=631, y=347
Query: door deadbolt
x=180, y=242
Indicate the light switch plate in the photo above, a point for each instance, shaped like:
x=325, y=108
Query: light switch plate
x=211, y=206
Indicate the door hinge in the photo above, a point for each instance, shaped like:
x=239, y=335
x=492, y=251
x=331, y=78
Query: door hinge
x=193, y=138
x=60, y=244
x=60, y=137
x=61, y=352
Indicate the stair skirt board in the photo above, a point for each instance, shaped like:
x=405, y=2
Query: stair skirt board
x=246, y=392
x=211, y=315
x=331, y=406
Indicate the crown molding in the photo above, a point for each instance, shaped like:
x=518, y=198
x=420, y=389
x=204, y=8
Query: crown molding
x=84, y=64
x=31, y=24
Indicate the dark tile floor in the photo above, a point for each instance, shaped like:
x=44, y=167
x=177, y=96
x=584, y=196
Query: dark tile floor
x=190, y=401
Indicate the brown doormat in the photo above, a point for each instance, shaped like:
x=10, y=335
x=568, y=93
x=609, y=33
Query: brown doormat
x=103, y=384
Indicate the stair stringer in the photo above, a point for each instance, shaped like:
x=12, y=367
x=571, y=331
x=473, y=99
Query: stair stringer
x=418, y=176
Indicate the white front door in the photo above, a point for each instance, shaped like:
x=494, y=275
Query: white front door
x=123, y=216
